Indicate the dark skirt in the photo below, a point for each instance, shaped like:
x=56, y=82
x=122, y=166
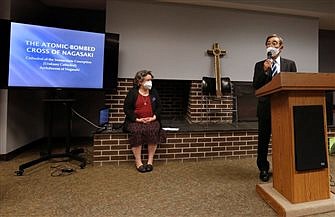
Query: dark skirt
x=144, y=134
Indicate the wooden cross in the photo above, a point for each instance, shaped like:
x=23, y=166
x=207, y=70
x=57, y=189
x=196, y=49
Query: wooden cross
x=217, y=53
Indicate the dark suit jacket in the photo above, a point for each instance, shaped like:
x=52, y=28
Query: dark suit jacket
x=260, y=79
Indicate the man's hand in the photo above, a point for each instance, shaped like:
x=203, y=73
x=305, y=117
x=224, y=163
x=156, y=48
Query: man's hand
x=267, y=66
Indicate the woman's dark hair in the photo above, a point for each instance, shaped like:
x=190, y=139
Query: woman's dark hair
x=140, y=75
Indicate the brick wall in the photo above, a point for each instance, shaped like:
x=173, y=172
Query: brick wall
x=174, y=97
x=180, y=146
x=113, y=148
x=180, y=100
x=115, y=100
x=213, y=109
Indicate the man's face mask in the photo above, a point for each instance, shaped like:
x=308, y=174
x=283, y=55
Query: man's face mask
x=147, y=85
x=274, y=51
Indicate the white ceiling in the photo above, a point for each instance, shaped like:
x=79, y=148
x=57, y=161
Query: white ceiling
x=322, y=9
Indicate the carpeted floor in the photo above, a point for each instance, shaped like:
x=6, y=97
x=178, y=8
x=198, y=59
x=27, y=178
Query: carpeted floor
x=207, y=188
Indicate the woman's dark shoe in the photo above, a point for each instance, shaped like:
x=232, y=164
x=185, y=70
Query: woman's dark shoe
x=149, y=167
x=141, y=169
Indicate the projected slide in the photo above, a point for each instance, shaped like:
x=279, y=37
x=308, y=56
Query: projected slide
x=52, y=57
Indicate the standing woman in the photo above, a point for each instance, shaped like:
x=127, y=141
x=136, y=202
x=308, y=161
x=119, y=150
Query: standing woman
x=142, y=108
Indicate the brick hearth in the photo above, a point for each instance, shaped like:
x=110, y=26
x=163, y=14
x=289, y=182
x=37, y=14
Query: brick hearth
x=182, y=100
x=180, y=146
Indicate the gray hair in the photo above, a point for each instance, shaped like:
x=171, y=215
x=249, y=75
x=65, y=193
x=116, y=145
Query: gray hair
x=281, y=41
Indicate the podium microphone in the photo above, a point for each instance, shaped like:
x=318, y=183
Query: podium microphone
x=269, y=55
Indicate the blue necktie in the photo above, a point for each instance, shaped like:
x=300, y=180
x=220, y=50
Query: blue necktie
x=274, y=69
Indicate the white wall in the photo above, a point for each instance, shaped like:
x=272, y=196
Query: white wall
x=172, y=40
x=21, y=112
x=25, y=118
x=4, y=14
x=5, y=9
x=3, y=120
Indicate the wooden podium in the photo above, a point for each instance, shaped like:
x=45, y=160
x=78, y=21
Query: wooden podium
x=290, y=92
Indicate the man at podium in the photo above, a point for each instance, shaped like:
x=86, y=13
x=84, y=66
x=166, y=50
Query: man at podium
x=264, y=71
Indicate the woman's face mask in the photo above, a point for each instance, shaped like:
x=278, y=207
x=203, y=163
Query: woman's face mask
x=147, y=85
